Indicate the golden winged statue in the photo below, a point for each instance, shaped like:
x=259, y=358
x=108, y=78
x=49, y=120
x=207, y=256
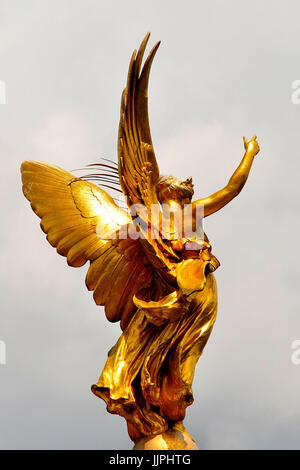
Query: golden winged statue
x=155, y=279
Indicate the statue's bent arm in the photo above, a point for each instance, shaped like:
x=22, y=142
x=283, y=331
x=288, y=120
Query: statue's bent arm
x=219, y=199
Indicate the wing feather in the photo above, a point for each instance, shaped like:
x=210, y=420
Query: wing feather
x=138, y=169
x=136, y=154
x=71, y=212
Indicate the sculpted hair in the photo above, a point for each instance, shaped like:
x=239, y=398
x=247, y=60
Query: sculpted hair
x=168, y=184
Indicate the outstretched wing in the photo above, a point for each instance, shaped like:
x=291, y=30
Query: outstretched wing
x=138, y=169
x=73, y=213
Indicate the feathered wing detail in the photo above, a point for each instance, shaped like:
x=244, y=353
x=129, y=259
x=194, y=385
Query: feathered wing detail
x=138, y=169
x=75, y=214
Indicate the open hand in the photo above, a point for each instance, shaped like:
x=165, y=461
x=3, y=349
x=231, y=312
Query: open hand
x=251, y=146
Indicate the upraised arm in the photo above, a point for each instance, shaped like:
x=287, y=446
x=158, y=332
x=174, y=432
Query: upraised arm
x=216, y=201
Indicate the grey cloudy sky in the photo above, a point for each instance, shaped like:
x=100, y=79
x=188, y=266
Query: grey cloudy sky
x=224, y=69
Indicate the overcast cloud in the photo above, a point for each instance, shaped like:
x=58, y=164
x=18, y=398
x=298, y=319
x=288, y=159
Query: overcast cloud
x=223, y=70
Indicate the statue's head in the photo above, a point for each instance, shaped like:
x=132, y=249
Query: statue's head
x=170, y=188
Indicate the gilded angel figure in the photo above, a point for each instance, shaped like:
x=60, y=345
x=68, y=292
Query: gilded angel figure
x=157, y=281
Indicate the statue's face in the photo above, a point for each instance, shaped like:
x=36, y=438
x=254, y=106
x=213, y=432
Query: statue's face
x=172, y=189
